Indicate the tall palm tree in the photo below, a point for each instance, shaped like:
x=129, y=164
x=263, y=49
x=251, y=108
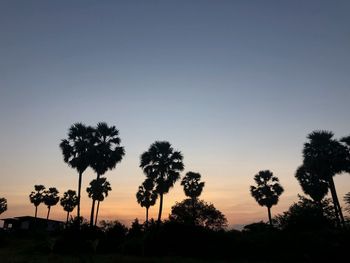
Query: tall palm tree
x=69, y=201
x=193, y=189
x=51, y=198
x=76, y=150
x=36, y=197
x=106, y=153
x=312, y=185
x=3, y=205
x=325, y=157
x=162, y=165
x=98, y=190
x=267, y=191
x=146, y=196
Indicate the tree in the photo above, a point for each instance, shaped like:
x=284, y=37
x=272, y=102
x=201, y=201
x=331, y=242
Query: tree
x=3, y=205
x=76, y=150
x=206, y=214
x=312, y=185
x=347, y=202
x=106, y=153
x=193, y=189
x=51, y=198
x=267, y=191
x=98, y=190
x=146, y=196
x=69, y=201
x=36, y=197
x=325, y=157
x=162, y=165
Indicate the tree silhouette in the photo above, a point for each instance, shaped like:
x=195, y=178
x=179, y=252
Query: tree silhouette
x=193, y=189
x=36, y=197
x=3, y=205
x=146, y=196
x=162, y=165
x=106, y=153
x=267, y=191
x=206, y=214
x=325, y=157
x=69, y=201
x=76, y=150
x=51, y=198
x=347, y=202
x=98, y=190
x=312, y=185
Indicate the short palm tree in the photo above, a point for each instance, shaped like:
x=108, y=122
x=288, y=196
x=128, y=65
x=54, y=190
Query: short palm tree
x=36, y=197
x=98, y=190
x=51, y=198
x=3, y=205
x=69, y=201
x=76, y=150
x=267, y=191
x=146, y=196
x=162, y=165
x=106, y=153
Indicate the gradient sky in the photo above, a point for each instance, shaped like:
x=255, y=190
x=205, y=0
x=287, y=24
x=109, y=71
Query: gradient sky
x=236, y=86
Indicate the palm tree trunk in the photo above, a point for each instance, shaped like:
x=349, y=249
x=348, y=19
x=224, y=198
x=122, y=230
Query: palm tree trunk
x=48, y=212
x=160, y=209
x=93, y=208
x=147, y=215
x=193, y=211
x=337, y=208
x=79, y=195
x=269, y=212
x=67, y=218
x=97, y=209
x=36, y=212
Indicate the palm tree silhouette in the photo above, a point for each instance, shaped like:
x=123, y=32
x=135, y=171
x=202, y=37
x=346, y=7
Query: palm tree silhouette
x=193, y=189
x=146, y=196
x=162, y=165
x=36, y=197
x=312, y=185
x=267, y=191
x=3, y=205
x=98, y=190
x=325, y=157
x=106, y=153
x=76, y=152
x=51, y=198
x=69, y=201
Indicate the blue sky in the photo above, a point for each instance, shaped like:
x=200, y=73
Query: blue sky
x=235, y=85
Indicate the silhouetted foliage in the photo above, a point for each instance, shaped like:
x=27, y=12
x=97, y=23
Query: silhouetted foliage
x=325, y=157
x=308, y=215
x=3, y=205
x=206, y=214
x=106, y=153
x=192, y=185
x=146, y=195
x=312, y=185
x=76, y=150
x=69, y=201
x=162, y=165
x=267, y=191
x=36, y=197
x=51, y=198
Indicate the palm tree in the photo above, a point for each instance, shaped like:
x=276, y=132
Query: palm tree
x=76, y=150
x=325, y=157
x=267, y=191
x=162, y=165
x=146, y=196
x=3, y=205
x=51, y=198
x=36, y=197
x=98, y=190
x=193, y=189
x=69, y=201
x=106, y=153
x=312, y=185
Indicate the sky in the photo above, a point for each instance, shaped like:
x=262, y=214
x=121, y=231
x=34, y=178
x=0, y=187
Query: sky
x=236, y=86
